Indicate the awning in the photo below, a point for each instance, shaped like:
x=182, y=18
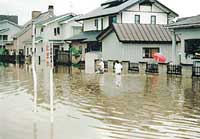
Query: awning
x=89, y=36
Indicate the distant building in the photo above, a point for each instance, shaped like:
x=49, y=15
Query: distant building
x=11, y=18
x=189, y=31
x=53, y=31
x=25, y=35
x=7, y=31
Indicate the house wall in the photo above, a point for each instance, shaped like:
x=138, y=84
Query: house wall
x=184, y=35
x=128, y=16
x=67, y=30
x=145, y=13
x=112, y=49
x=11, y=32
x=25, y=36
x=89, y=25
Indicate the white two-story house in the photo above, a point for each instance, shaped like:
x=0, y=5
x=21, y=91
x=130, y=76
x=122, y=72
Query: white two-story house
x=130, y=30
x=23, y=38
x=7, y=31
x=53, y=31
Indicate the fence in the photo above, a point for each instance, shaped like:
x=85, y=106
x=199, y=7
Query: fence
x=174, y=69
x=63, y=57
x=195, y=71
x=12, y=58
x=133, y=67
x=152, y=68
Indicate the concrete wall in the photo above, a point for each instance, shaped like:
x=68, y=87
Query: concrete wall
x=112, y=49
x=184, y=35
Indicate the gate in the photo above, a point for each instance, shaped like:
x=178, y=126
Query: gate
x=174, y=69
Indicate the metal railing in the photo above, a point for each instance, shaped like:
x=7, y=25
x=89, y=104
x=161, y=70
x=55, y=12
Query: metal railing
x=152, y=68
x=174, y=69
x=133, y=67
x=12, y=58
x=195, y=71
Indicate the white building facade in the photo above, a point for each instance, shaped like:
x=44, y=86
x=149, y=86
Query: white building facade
x=53, y=31
x=7, y=31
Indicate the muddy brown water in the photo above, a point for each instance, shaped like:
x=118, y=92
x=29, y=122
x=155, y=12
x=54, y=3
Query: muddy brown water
x=92, y=106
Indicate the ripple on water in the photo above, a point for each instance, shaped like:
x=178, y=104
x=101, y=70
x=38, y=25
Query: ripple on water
x=93, y=106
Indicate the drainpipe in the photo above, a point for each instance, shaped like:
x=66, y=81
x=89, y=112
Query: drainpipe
x=173, y=47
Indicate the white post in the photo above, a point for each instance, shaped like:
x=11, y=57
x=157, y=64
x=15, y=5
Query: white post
x=33, y=68
x=173, y=47
x=51, y=82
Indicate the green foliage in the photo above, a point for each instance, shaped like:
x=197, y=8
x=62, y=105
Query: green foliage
x=2, y=51
x=75, y=52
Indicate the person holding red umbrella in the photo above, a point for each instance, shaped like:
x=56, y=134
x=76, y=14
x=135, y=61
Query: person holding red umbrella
x=159, y=58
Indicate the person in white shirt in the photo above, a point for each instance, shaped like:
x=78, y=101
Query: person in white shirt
x=101, y=66
x=118, y=68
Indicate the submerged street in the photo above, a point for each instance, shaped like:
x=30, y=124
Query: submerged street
x=95, y=106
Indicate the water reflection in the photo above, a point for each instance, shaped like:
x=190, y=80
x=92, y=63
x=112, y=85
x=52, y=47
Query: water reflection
x=92, y=106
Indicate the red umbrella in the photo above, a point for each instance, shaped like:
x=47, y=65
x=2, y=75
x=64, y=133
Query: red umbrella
x=159, y=58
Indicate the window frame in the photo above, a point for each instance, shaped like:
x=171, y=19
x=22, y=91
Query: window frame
x=137, y=21
x=5, y=36
x=102, y=24
x=111, y=19
x=153, y=23
x=55, y=32
x=58, y=30
x=96, y=23
x=150, y=51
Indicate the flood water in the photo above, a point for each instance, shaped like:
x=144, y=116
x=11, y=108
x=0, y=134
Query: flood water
x=97, y=106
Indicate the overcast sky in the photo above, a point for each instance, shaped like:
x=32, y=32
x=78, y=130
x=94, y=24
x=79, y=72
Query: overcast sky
x=23, y=8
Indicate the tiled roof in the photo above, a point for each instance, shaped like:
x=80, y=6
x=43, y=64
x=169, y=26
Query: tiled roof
x=139, y=33
x=186, y=22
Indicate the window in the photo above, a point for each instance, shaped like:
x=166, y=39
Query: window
x=153, y=19
x=96, y=23
x=101, y=23
x=1, y=37
x=58, y=30
x=5, y=37
x=41, y=49
x=148, y=52
x=192, y=47
x=42, y=29
x=27, y=51
x=55, y=32
x=137, y=19
x=112, y=19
